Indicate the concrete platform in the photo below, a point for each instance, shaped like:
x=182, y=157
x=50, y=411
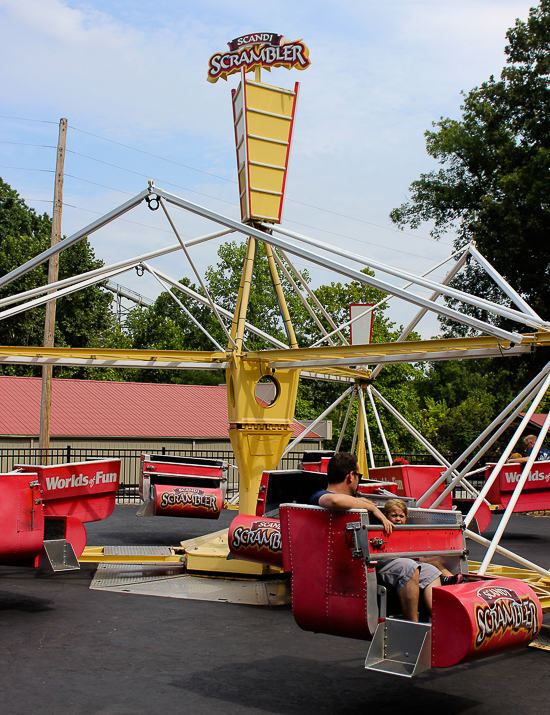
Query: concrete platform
x=69, y=650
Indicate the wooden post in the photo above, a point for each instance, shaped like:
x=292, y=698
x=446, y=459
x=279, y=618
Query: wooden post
x=53, y=270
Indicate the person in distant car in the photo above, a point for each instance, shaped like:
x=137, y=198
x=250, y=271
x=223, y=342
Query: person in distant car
x=529, y=441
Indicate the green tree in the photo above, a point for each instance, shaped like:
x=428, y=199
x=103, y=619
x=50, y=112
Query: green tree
x=83, y=318
x=494, y=186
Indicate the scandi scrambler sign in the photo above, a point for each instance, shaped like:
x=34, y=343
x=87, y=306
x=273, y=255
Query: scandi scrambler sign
x=259, y=49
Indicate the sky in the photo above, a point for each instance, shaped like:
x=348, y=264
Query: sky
x=131, y=80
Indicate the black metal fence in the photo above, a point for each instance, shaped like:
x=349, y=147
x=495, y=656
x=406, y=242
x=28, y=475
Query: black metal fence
x=130, y=459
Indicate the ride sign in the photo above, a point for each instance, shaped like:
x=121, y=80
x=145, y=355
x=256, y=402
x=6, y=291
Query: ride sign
x=257, y=540
x=259, y=49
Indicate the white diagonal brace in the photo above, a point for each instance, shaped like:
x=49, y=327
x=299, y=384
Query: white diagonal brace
x=514, y=498
x=342, y=269
x=187, y=312
x=78, y=236
x=315, y=299
x=201, y=299
x=503, y=283
x=59, y=293
x=298, y=292
x=316, y=421
x=126, y=263
x=500, y=423
x=199, y=277
x=418, y=317
x=482, y=303
x=506, y=453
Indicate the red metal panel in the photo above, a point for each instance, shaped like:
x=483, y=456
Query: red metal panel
x=329, y=586
x=406, y=540
x=539, y=476
x=536, y=491
x=197, y=502
x=413, y=480
x=377, y=487
x=258, y=540
x=85, y=490
x=188, y=470
x=486, y=617
x=22, y=519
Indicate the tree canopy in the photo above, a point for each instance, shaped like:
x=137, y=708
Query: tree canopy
x=493, y=188
x=82, y=318
x=494, y=184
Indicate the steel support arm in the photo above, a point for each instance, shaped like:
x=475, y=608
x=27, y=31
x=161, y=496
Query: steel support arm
x=341, y=268
x=78, y=236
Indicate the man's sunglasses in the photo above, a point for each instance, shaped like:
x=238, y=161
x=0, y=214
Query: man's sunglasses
x=357, y=474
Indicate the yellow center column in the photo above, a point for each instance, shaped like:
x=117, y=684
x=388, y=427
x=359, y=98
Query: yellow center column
x=259, y=432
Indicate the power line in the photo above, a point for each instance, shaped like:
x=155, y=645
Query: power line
x=222, y=178
x=18, y=198
x=232, y=181
x=25, y=168
x=136, y=223
x=156, y=156
x=370, y=223
x=103, y=186
x=232, y=203
x=184, y=188
x=147, y=176
x=360, y=240
x=24, y=119
x=44, y=146
x=216, y=176
x=315, y=228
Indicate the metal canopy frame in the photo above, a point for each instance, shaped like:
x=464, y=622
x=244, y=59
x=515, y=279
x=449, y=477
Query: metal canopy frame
x=333, y=362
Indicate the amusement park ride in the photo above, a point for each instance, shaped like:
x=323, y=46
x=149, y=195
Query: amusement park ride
x=329, y=557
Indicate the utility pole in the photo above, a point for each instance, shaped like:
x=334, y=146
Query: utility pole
x=53, y=270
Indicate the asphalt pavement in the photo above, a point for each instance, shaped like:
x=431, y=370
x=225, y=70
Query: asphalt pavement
x=67, y=650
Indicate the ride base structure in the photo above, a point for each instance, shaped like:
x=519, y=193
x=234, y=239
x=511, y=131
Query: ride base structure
x=277, y=547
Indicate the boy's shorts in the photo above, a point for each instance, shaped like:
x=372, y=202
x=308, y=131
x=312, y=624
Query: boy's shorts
x=398, y=572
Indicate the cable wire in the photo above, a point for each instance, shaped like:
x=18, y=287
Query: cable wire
x=232, y=181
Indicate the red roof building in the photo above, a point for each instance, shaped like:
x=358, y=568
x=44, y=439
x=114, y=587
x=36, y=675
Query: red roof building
x=134, y=415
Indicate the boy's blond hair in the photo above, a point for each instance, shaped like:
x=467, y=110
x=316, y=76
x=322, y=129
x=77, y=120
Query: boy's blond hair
x=399, y=503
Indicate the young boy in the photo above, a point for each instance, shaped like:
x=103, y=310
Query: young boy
x=395, y=510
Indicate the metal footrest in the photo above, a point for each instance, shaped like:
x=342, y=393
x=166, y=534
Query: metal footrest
x=146, y=509
x=59, y=555
x=400, y=648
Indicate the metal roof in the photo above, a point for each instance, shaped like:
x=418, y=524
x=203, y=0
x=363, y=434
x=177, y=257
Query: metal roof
x=536, y=422
x=117, y=409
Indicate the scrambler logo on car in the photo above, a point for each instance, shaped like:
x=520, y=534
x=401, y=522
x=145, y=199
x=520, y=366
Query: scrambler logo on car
x=504, y=611
x=263, y=534
x=192, y=496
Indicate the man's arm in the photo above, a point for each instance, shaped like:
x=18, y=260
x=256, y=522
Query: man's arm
x=343, y=502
